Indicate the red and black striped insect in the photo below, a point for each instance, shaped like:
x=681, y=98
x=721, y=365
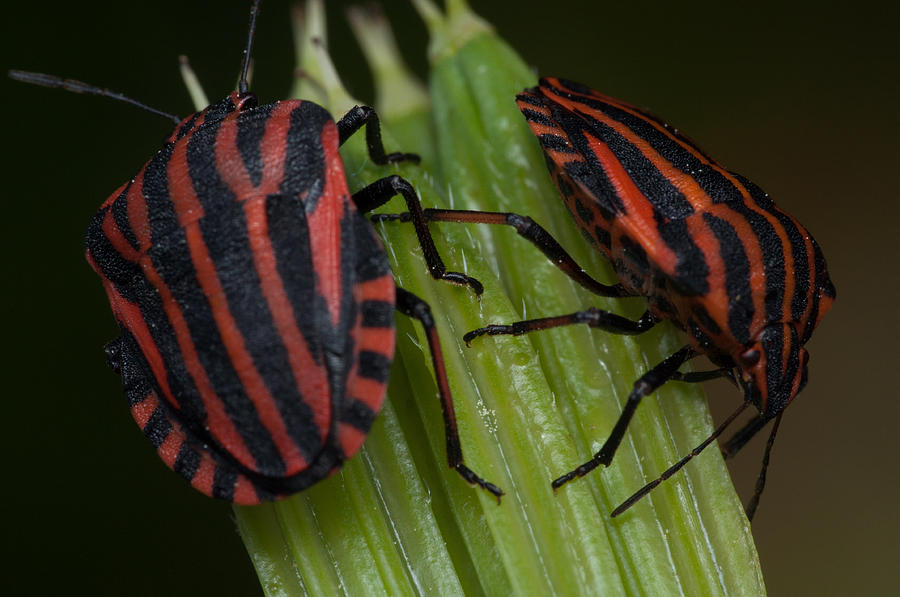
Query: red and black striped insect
x=254, y=300
x=708, y=248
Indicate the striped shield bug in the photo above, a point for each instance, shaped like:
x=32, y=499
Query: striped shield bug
x=706, y=247
x=255, y=301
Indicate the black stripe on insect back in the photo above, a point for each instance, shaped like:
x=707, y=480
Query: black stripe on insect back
x=223, y=483
x=580, y=93
x=535, y=116
x=120, y=216
x=172, y=260
x=710, y=179
x=214, y=113
x=160, y=210
x=251, y=126
x=770, y=246
x=304, y=157
x=158, y=427
x=671, y=206
x=138, y=385
x=799, y=256
x=187, y=462
x=136, y=377
x=531, y=96
x=588, y=172
x=115, y=268
x=668, y=200
x=780, y=374
x=129, y=281
x=555, y=143
x=377, y=314
x=374, y=365
x=800, y=266
x=357, y=414
x=288, y=231
x=585, y=215
x=289, y=234
x=737, y=277
x=188, y=125
x=225, y=233
x=691, y=272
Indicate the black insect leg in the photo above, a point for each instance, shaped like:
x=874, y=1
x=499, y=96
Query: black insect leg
x=360, y=116
x=380, y=192
x=678, y=465
x=526, y=228
x=647, y=384
x=412, y=306
x=593, y=317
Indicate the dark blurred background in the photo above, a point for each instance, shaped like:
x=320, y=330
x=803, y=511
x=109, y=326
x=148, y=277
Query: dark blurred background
x=801, y=100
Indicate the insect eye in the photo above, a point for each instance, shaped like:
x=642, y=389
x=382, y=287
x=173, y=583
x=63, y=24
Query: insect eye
x=749, y=357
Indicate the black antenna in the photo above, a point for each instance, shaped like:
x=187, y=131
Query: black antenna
x=761, y=480
x=677, y=466
x=242, y=84
x=79, y=87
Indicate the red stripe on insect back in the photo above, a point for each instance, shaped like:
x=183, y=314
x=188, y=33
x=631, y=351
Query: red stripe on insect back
x=117, y=238
x=370, y=392
x=351, y=439
x=378, y=340
x=186, y=205
x=378, y=290
x=143, y=409
x=219, y=423
x=275, y=142
x=577, y=101
x=138, y=217
x=554, y=83
x=716, y=301
x=230, y=166
x=174, y=450
x=168, y=450
x=312, y=383
x=638, y=211
x=309, y=377
x=327, y=252
x=205, y=474
x=244, y=494
x=189, y=210
x=372, y=338
x=129, y=315
x=699, y=200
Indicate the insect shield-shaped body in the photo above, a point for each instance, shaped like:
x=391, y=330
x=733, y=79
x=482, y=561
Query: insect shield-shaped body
x=707, y=248
x=254, y=299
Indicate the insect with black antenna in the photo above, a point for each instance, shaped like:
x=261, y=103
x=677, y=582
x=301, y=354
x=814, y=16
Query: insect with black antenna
x=255, y=302
x=708, y=249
